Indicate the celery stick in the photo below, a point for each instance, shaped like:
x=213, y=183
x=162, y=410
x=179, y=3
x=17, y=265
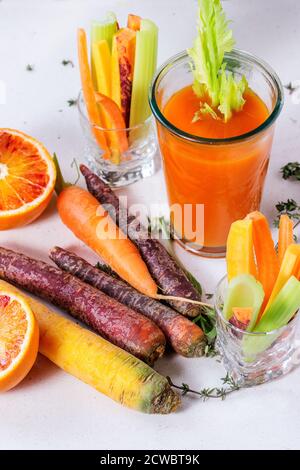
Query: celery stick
x=244, y=291
x=280, y=312
x=100, y=31
x=104, y=29
x=283, y=307
x=144, y=68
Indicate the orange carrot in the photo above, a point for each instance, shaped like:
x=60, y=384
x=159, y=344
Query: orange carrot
x=285, y=236
x=134, y=22
x=87, y=219
x=88, y=90
x=289, y=267
x=265, y=253
x=117, y=139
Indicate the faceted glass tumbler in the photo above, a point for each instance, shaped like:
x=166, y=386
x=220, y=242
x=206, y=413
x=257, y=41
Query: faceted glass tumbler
x=135, y=163
x=254, y=358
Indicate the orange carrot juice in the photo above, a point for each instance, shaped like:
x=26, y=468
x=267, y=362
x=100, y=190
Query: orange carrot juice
x=227, y=178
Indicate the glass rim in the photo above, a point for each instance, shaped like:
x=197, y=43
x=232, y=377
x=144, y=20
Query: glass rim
x=256, y=334
x=235, y=53
x=81, y=104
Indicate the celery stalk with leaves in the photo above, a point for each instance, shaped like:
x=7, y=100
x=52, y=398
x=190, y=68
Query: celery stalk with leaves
x=217, y=88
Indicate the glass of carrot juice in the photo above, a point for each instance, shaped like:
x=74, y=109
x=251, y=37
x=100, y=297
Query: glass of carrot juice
x=214, y=170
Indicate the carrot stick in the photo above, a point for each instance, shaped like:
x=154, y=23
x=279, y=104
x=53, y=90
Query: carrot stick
x=163, y=268
x=285, y=236
x=110, y=370
x=118, y=137
x=116, y=322
x=125, y=50
x=134, y=22
x=289, y=267
x=88, y=91
x=185, y=337
x=265, y=253
x=89, y=222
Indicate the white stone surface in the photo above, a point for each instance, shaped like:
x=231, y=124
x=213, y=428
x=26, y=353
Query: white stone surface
x=50, y=409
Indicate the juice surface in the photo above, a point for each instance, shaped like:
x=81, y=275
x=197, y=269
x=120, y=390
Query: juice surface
x=226, y=178
x=182, y=106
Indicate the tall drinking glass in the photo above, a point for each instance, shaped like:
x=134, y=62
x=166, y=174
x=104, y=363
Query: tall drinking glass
x=224, y=177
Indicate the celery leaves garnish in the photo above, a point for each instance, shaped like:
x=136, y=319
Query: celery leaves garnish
x=211, y=80
x=204, y=110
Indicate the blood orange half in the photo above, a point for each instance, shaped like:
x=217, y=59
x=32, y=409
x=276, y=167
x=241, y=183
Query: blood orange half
x=19, y=339
x=27, y=178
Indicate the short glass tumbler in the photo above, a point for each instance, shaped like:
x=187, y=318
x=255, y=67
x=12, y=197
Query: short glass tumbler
x=254, y=358
x=131, y=165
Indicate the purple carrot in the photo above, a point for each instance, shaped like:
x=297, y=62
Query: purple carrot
x=119, y=324
x=163, y=268
x=185, y=337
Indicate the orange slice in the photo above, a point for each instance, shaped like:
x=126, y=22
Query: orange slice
x=27, y=178
x=19, y=339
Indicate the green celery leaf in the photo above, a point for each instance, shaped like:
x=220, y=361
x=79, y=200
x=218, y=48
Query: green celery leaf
x=211, y=81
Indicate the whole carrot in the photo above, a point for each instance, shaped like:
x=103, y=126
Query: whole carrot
x=112, y=320
x=88, y=220
x=95, y=361
x=163, y=268
x=185, y=337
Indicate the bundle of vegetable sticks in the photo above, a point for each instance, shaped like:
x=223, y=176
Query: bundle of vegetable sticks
x=115, y=86
x=264, y=288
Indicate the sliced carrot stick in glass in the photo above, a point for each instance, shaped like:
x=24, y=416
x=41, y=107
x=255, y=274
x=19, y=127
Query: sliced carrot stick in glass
x=125, y=50
x=265, y=253
x=115, y=74
x=101, y=59
x=88, y=90
x=117, y=138
x=285, y=236
x=240, y=255
x=290, y=266
x=134, y=22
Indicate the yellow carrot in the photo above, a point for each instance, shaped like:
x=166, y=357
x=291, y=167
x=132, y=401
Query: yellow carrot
x=240, y=255
x=95, y=361
x=101, y=66
x=115, y=74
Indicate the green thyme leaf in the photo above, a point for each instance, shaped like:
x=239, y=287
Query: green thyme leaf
x=291, y=170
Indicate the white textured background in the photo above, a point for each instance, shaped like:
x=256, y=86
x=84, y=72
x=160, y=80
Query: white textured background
x=51, y=409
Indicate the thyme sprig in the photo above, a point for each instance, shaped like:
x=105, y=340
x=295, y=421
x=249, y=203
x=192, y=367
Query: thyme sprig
x=67, y=62
x=291, y=88
x=290, y=208
x=207, y=393
x=72, y=102
x=291, y=170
